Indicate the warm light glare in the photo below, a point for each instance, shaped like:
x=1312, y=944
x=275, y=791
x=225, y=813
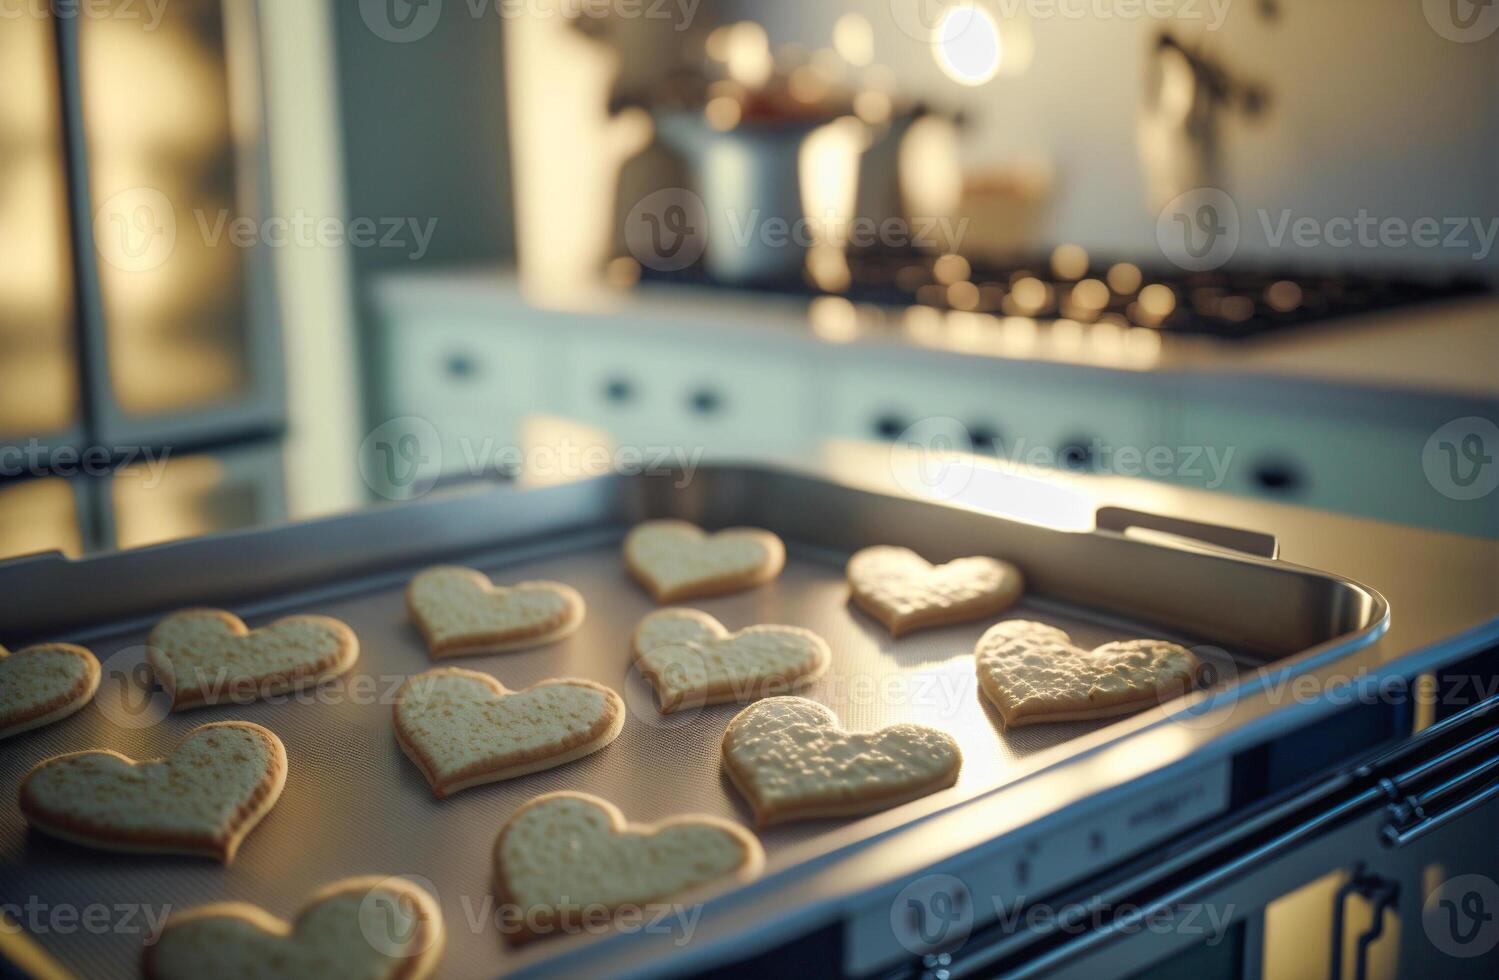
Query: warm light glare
x=1157, y=301
x=747, y=54
x=853, y=38
x=722, y=113
x=829, y=166
x=968, y=47
x=872, y=107
x=1124, y=278
x=963, y=296
x=1090, y=294
x=951, y=268
x=1069, y=262
x=1283, y=296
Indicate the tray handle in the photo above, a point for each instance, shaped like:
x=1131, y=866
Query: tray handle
x=1256, y=543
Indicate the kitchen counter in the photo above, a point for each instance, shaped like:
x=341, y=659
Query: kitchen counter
x=1447, y=349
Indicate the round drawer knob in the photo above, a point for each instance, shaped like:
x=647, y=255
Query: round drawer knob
x=1076, y=454
x=705, y=401
x=890, y=426
x=619, y=391
x=1278, y=476
x=461, y=366
x=985, y=439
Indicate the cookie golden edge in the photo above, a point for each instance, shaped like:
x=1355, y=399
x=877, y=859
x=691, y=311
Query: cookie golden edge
x=59, y=707
x=335, y=665
x=1011, y=718
x=222, y=848
x=670, y=702
x=512, y=642
x=417, y=967
x=769, y=816
x=749, y=869
x=528, y=762
x=769, y=571
x=978, y=608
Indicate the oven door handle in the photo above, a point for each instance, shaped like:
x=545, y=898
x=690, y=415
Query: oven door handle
x=1121, y=519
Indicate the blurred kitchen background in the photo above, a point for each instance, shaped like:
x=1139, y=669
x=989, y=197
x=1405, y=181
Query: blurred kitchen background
x=272, y=260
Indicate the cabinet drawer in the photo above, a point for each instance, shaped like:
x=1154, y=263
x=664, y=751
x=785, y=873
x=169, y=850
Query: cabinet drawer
x=460, y=368
x=1372, y=467
x=725, y=398
x=1029, y=418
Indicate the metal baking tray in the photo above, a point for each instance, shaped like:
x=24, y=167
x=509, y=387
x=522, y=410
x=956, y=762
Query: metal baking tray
x=353, y=805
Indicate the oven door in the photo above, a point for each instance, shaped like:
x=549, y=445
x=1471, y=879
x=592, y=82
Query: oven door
x=1385, y=870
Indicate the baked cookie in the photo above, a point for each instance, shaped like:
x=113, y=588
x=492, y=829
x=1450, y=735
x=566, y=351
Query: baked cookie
x=563, y=855
x=1032, y=673
x=368, y=928
x=789, y=759
x=460, y=612
x=209, y=656
x=690, y=659
x=676, y=560
x=217, y=784
x=43, y=684
x=463, y=728
x=906, y=592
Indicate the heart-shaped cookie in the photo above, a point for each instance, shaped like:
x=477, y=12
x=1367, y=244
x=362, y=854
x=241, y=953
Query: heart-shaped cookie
x=202, y=799
x=463, y=728
x=460, y=612
x=43, y=684
x=209, y=656
x=789, y=759
x=369, y=928
x=692, y=660
x=906, y=592
x=1032, y=673
x=676, y=560
x=563, y=855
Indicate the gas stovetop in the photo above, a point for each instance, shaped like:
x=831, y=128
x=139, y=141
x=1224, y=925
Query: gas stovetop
x=1230, y=303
